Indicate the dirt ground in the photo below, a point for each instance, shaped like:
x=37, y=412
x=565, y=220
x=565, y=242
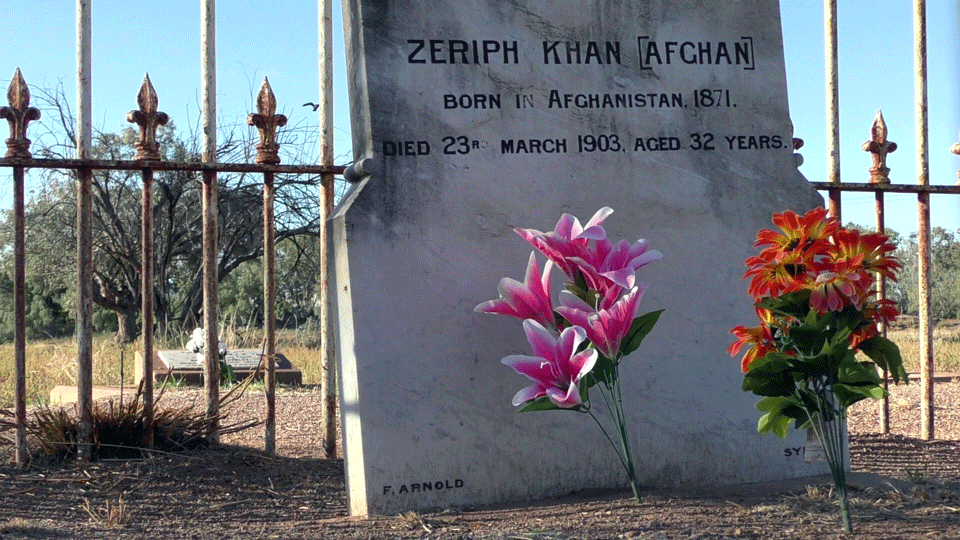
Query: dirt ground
x=903, y=488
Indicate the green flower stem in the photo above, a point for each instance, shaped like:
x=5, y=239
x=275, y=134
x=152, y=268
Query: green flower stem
x=605, y=434
x=830, y=435
x=625, y=439
x=614, y=404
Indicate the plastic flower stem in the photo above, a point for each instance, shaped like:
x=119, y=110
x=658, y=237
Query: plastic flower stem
x=831, y=438
x=624, y=438
x=614, y=403
x=605, y=434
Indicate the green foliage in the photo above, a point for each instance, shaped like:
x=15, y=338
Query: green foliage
x=944, y=274
x=815, y=365
x=641, y=327
x=227, y=376
x=45, y=314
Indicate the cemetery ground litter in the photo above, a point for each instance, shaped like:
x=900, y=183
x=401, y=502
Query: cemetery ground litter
x=904, y=488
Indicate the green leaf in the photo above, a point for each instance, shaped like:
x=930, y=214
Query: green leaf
x=585, y=383
x=795, y=304
x=539, y=404
x=544, y=404
x=641, y=326
x=859, y=373
x=603, y=370
x=773, y=375
x=580, y=283
x=886, y=354
x=850, y=394
x=774, y=420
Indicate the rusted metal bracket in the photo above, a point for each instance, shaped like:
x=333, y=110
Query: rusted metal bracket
x=797, y=157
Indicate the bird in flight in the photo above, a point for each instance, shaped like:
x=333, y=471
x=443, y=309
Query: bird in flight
x=314, y=105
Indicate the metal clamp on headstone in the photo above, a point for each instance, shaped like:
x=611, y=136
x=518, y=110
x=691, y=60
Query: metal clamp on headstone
x=358, y=170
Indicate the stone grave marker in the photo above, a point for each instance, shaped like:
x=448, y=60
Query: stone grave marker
x=478, y=117
x=188, y=365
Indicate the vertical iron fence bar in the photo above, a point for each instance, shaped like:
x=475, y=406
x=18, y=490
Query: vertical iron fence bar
x=146, y=306
x=879, y=147
x=149, y=119
x=923, y=221
x=211, y=350
x=267, y=121
x=270, y=313
x=833, y=103
x=327, y=354
x=84, y=328
x=19, y=114
x=20, y=317
x=882, y=295
x=146, y=262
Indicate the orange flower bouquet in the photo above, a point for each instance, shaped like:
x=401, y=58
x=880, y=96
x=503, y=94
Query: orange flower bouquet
x=812, y=286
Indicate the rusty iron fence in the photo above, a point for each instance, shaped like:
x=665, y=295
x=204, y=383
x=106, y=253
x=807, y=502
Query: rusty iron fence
x=879, y=183
x=148, y=118
x=19, y=114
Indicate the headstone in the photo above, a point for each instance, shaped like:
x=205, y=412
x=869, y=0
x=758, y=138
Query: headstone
x=482, y=116
x=188, y=365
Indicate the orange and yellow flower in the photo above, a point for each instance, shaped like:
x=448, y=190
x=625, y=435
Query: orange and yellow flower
x=813, y=252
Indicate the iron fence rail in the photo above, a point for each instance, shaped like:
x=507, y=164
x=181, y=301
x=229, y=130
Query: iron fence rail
x=197, y=166
x=888, y=188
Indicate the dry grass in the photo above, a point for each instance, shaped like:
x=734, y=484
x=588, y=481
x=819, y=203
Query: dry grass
x=111, y=515
x=53, y=362
x=946, y=345
x=118, y=427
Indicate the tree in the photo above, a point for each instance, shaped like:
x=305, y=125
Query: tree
x=944, y=274
x=51, y=215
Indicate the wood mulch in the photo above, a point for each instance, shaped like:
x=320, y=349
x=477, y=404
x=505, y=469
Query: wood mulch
x=904, y=488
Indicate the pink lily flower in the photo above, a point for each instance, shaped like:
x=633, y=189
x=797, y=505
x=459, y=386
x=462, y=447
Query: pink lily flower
x=568, y=239
x=527, y=300
x=608, y=264
x=607, y=324
x=556, y=367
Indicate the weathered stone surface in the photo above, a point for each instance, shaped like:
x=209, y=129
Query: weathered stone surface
x=481, y=117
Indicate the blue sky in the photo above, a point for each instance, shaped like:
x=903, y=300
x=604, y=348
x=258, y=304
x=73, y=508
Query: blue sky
x=257, y=38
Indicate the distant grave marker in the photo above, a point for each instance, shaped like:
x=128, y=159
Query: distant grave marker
x=479, y=117
x=188, y=365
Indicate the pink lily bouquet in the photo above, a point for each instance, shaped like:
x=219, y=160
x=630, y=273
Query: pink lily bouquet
x=579, y=344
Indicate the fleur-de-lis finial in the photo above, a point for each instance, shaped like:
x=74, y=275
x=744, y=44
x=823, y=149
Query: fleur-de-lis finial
x=879, y=146
x=149, y=120
x=267, y=121
x=19, y=114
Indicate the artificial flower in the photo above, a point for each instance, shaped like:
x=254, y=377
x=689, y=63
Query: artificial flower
x=568, y=239
x=527, y=300
x=555, y=367
x=607, y=326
